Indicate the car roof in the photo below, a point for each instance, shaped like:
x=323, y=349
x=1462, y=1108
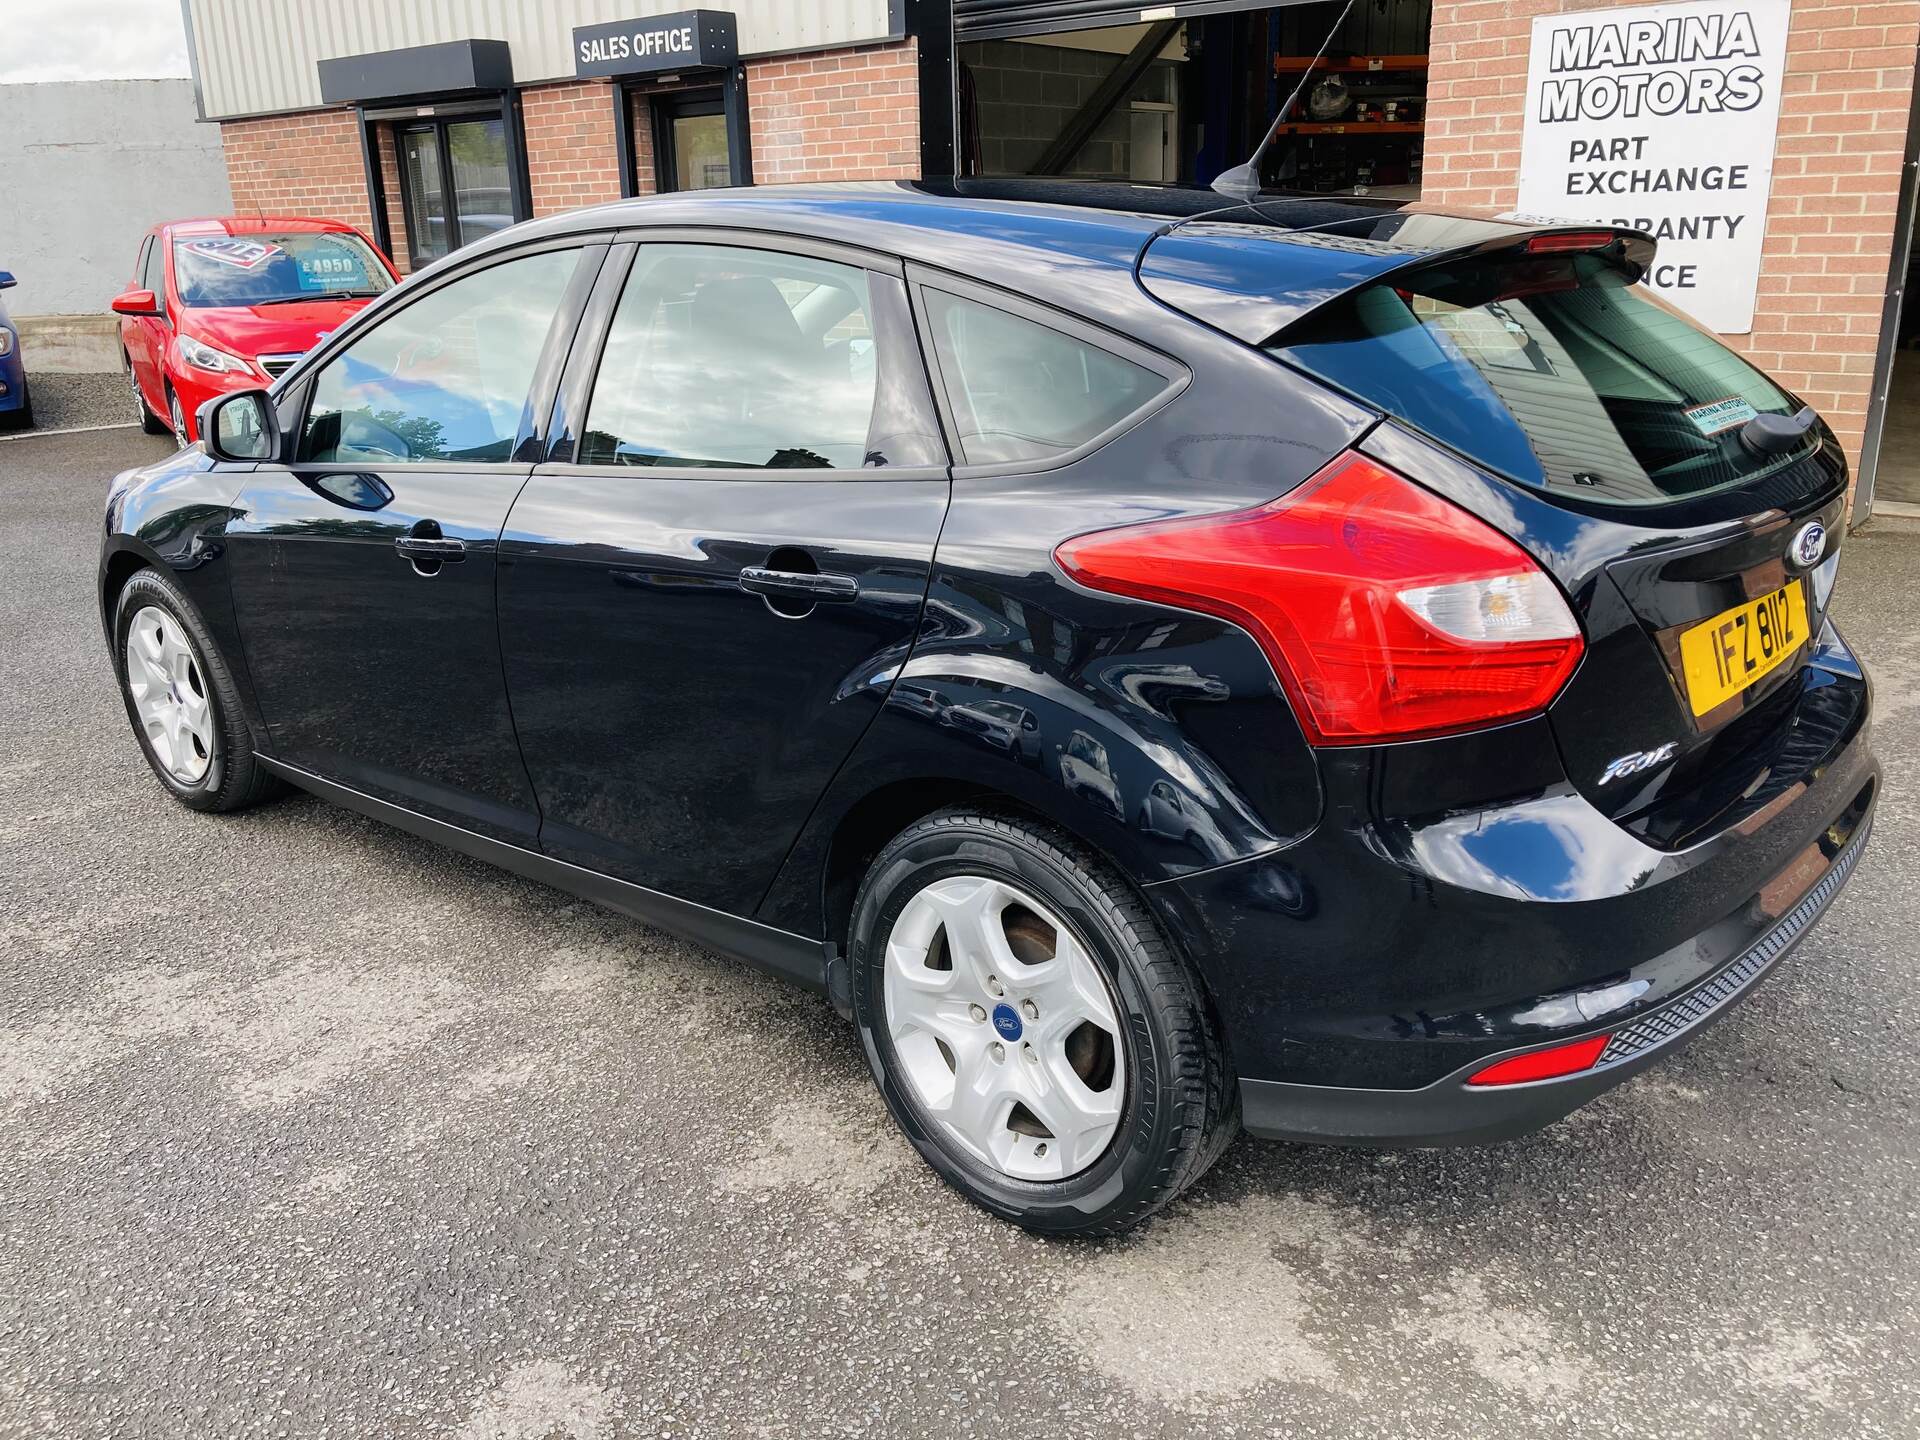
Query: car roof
x=1064, y=242
x=256, y=225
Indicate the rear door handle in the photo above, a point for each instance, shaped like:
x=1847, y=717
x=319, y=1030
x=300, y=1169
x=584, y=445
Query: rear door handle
x=431, y=547
x=799, y=584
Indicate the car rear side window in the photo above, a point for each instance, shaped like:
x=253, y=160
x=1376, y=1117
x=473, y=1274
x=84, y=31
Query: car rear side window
x=446, y=378
x=1557, y=371
x=730, y=357
x=1020, y=390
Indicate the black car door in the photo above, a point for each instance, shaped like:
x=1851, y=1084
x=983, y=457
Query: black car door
x=363, y=572
x=705, y=595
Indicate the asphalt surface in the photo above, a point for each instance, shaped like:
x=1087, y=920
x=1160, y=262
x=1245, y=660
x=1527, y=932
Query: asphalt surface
x=308, y=1128
x=63, y=402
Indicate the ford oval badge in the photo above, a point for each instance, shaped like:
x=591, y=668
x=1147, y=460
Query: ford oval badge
x=1809, y=545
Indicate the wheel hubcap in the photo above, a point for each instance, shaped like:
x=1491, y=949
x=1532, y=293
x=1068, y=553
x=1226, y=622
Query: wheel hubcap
x=1005, y=1028
x=169, y=695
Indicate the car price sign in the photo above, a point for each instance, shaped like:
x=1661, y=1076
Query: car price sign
x=1663, y=118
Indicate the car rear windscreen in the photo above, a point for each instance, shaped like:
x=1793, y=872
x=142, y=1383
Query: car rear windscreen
x=1555, y=370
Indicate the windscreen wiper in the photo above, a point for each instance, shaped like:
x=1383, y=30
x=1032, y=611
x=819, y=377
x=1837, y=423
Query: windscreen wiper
x=320, y=295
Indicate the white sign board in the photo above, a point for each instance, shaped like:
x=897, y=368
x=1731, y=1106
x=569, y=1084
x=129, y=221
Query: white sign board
x=1662, y=118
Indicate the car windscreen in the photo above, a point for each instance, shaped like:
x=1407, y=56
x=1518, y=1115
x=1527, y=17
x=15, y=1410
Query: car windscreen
x=218, y=270
x=1556, y=370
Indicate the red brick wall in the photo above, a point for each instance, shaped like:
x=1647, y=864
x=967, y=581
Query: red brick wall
x=298, y=165
x=571, y=157
x=1843, y=122
x=838, y=115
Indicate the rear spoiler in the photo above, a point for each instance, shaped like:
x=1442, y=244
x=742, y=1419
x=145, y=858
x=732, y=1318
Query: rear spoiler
x=1253, y=280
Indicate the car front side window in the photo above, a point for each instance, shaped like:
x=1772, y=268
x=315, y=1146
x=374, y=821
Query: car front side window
x=728, y=357
x=153, y=274
x=448, y=377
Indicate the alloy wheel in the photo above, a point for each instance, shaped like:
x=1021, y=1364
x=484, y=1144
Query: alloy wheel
x=170, y=695
x=178, y=418
x=139, y=401
x=1005, y=1028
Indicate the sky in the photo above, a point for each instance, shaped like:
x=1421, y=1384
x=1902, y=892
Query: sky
x=92, y=40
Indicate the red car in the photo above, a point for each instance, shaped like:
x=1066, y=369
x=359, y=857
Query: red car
x=219, y=305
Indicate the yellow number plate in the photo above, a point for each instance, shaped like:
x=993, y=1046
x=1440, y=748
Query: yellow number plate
x=1724, y=655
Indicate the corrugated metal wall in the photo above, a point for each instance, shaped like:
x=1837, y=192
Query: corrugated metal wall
x=259, y=56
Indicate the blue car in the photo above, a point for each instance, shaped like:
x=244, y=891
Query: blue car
x=16, y=405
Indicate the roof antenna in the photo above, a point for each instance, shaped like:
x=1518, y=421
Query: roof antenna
x=1242, y=182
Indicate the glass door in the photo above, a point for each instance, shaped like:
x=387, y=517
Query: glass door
x=454, y=183
x=690, y=142
x=423, y=187
x=482, y=196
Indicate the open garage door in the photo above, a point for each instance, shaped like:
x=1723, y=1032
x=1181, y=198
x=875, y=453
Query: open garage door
x=999, y=19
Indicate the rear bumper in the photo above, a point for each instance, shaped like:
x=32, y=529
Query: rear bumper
x=1452, y=1112
x=1423, y=931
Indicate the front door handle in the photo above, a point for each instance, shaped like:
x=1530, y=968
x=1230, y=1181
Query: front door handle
x=431, y=547
x=801, y=585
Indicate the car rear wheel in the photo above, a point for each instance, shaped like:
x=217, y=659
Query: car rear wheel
x=149, y=422
x=181, y=700
x=1036, y=1037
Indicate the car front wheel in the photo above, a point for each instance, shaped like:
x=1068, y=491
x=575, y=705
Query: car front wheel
x=181, y=699
x=1036, y=1037
x=149, y=422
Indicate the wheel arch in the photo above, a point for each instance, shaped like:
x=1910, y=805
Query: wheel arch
x=116, y=568
x=879, y=815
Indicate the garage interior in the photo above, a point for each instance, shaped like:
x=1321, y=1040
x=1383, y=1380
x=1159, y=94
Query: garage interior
x=1178, y=101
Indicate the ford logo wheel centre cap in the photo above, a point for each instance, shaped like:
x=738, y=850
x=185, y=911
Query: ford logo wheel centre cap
x=1006, y=1020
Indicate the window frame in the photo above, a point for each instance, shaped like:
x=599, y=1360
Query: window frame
x=894, y=337
x=300, y=382
x=923, y=278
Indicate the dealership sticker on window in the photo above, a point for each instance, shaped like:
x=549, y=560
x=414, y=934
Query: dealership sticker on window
x=1721, y=415
x=330, y=272
x=241, y=254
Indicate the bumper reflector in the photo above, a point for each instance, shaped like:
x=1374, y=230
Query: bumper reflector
x=1547, y=1064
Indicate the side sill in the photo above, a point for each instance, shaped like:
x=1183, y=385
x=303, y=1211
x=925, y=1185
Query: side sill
x=792, y=957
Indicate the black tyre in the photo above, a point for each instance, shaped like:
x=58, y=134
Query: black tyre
x=181, y=699
x=176, y=418
x=149, y=422
x=1036, y=1037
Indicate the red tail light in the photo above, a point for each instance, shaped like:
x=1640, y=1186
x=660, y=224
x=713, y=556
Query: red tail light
x=1387, y=612
x=1548, y=1064
x=1570, y=240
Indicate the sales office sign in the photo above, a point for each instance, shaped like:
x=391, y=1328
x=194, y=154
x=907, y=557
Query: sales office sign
x=688, y=40
x=1662, y=118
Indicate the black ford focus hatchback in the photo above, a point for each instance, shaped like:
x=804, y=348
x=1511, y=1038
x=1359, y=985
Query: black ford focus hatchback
x=1351, y=674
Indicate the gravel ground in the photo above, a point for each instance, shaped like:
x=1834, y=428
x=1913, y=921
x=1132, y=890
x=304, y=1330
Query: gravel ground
x=62, y=402
x=309, y=1128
